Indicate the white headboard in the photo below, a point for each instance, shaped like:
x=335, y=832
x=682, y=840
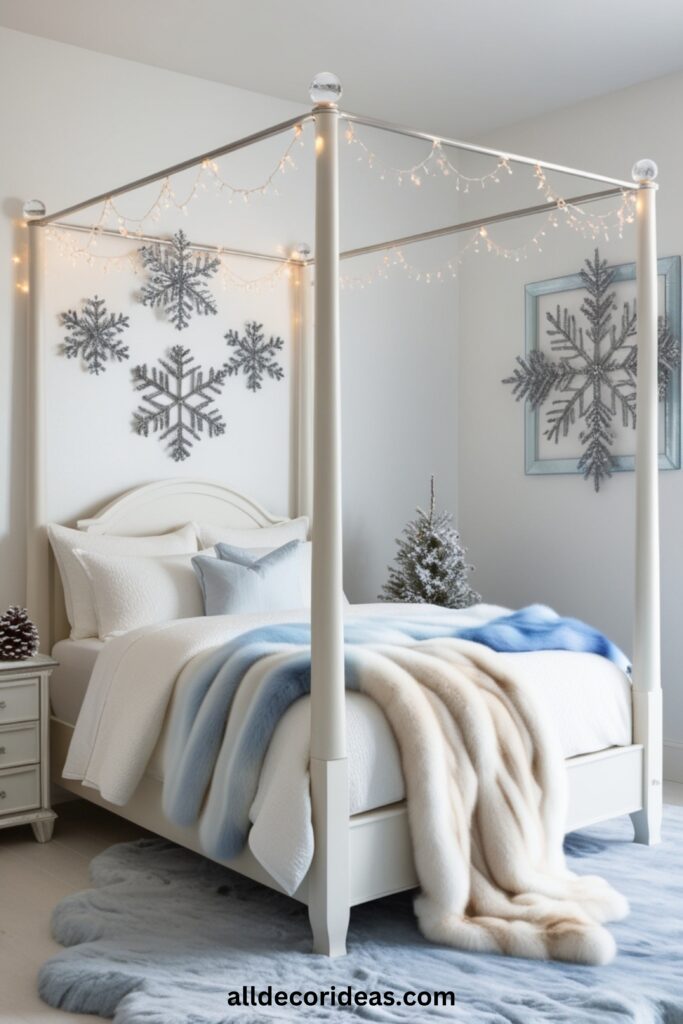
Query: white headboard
x=153, y=508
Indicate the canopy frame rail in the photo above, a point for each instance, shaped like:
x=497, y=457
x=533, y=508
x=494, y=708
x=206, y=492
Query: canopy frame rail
x=480, y=222
x=364, y=250
x=471, y=147
x=184, y=165
x=134, y=236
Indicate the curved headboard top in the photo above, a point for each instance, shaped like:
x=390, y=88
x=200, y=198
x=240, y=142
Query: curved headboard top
x=153, y=508
x=167, y=504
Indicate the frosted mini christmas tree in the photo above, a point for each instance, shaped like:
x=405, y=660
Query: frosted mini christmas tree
x=430, y=565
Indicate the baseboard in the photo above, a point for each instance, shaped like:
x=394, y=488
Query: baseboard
x=673, y=761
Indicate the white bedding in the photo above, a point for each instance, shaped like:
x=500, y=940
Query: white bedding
x=120, y=734
x=69, y=680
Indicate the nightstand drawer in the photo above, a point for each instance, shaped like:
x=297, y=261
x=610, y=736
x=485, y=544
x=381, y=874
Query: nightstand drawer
x=19, y=744
x=20, y=700
x=19, y=789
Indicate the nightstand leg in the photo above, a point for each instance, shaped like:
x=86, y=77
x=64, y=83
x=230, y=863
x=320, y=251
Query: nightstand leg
x=43, y=830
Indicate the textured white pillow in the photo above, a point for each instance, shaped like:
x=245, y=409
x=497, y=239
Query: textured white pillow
x=130, y=591
x=77, y=594
x=259, y=537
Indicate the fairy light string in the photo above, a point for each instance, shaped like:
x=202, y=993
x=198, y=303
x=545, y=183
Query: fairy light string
x=589, y=225
x=70, y=250
x=208, y=173
x=480, y=240
x=436, y=162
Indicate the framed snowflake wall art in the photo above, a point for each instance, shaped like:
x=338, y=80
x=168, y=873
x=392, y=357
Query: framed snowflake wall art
x=578, y=375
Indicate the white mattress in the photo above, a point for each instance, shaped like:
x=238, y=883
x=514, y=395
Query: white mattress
x=69, y=680
x=587, y=701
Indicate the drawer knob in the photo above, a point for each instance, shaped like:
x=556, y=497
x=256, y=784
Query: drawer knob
x=3, y=704
x=2, y=750
x=3, y=794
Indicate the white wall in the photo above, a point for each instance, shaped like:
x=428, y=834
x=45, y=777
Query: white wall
x=550, y=538
x=74, y=123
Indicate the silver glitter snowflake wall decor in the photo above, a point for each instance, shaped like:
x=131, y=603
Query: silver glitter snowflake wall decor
x=94, y=335
x=178, y=402
x=177, y=282
x=254, y=356
x=591, y=385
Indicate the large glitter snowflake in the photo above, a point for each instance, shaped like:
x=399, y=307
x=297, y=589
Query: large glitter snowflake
x=254, y=355
x=178, y=401
x=176, y=284
x=94, y=335
x=595, y=374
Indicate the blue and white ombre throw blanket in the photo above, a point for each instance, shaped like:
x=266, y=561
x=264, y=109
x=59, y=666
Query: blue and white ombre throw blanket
x=485, y=785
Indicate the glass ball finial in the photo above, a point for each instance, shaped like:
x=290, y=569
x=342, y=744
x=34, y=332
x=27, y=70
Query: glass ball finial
x=325, y=88
x=33, y=208
x=301, y=252
x=644, y=170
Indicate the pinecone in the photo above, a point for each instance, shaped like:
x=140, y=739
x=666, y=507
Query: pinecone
x=18, y=635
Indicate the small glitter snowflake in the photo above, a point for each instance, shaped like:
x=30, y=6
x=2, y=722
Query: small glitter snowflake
x=94, y=335
x=176, y=282
x=254, y=355
x=177, y=401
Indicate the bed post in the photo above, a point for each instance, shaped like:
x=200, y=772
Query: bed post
x=328, y=879
x=647, y=691
x=38, y=582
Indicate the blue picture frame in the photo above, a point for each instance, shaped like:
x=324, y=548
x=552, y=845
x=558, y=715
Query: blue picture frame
x=668, y=268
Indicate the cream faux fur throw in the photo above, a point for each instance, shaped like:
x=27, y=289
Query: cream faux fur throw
x=485, y=779
x=487, y=801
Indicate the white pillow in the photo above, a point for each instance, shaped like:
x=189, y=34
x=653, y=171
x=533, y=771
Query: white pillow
x=77, y=593
x=131, y=591
x=259, y=537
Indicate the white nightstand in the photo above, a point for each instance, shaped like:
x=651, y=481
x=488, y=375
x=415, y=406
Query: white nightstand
x=24, y=745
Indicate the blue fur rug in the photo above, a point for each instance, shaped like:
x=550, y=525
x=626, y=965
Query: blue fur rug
x=165, y=935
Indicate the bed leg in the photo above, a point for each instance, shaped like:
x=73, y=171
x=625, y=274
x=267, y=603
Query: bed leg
x=647, y=729
x=647, y=825
x=328, y=879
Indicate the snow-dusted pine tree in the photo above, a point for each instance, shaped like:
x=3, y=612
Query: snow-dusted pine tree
x=430, y=564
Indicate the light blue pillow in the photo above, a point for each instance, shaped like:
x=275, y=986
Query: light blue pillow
x=238, y=582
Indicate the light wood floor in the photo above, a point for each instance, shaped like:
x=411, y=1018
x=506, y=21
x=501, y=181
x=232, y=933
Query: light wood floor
x=33, y=878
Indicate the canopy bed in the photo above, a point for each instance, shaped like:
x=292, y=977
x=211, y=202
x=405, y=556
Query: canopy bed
x=367, y=854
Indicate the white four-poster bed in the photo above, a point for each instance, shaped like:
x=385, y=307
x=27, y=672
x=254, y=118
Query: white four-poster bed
x=365, y=856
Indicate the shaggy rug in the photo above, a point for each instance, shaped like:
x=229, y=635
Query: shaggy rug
x=165, y=936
